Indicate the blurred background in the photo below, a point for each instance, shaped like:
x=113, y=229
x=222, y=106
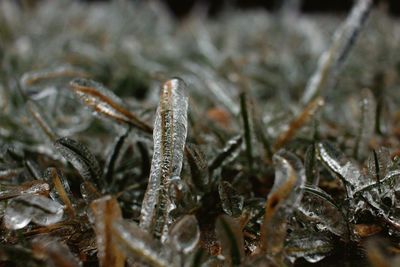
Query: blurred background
x=180, y=8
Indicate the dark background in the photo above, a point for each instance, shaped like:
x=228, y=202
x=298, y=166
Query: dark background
x=181, y=7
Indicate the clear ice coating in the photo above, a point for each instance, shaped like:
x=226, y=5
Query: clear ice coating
x=38, y=209
x=319, y=207
x=331, y=60
x=283, y=198
x=39, y=119
x=80, y=157
x=8, y=191
x=104, y=102
x=169, y=136
x=232, y=202
x=140, y=245
x=184, y=234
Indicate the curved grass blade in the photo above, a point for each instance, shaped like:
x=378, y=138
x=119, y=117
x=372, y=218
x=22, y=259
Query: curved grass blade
x=230, y=150
x=140, y=245
x=284, y=196
x=106, y=103
x=331, y=61
x=81, y=158
x=39, y=77
x=170, y=129
x=106, y=210
x=231, y=237
x=112, y=158
x=308, y=112
x=26, y=208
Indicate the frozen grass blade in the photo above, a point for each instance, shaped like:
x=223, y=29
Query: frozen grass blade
x=170, y=129
x=198, y=166
x=231, y=237
x=106, y=211
x=54, y=253
x=283, y=198
x=331, y=60
x=140, y=245
x=8, y=191
x=41, y=121
x=61, y=188
x=81, y=158
x=105, y=103
x=308, y=112
x=229, y=151
x=248, y=128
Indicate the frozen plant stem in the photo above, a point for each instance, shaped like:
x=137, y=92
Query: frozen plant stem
x=331, y=61
x=170, y=129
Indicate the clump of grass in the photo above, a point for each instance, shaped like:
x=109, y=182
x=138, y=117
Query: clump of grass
x=276, y=146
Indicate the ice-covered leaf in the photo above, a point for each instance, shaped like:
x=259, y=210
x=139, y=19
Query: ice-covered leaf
x=81, y=158
x=229, y=152
x=319, y=207
x=184, y=234
x=378, y=164
x=198, y=166
x=231, y=201
x=283, y=198
x=170, y=129
x=106, y=211
x=140, y=245
x=104, y=102
x=231, y=237
x=26, y=208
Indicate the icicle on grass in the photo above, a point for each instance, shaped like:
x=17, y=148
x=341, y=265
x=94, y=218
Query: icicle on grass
x=170, y=130
x=283, y=198
x=105, y=103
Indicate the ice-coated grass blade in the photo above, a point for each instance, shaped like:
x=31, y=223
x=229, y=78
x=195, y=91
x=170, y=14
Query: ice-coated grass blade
x=248, y=128
x=308, y=112
x=112, y=158
x=231, y=201
x=40, y=120
x=26, y=208
x=331, y=61
x=230, y=150
x=54, y=253
x=139, y=245
x=283, y=198
x=61, y=189
x=198, y=166
x=338, y=163
x=170, y=130
x=184, y=234
x=105, y=103
x=231, y=237
x=35, y=78
x=81, y=158
x=106, y=210
x=367, y=124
